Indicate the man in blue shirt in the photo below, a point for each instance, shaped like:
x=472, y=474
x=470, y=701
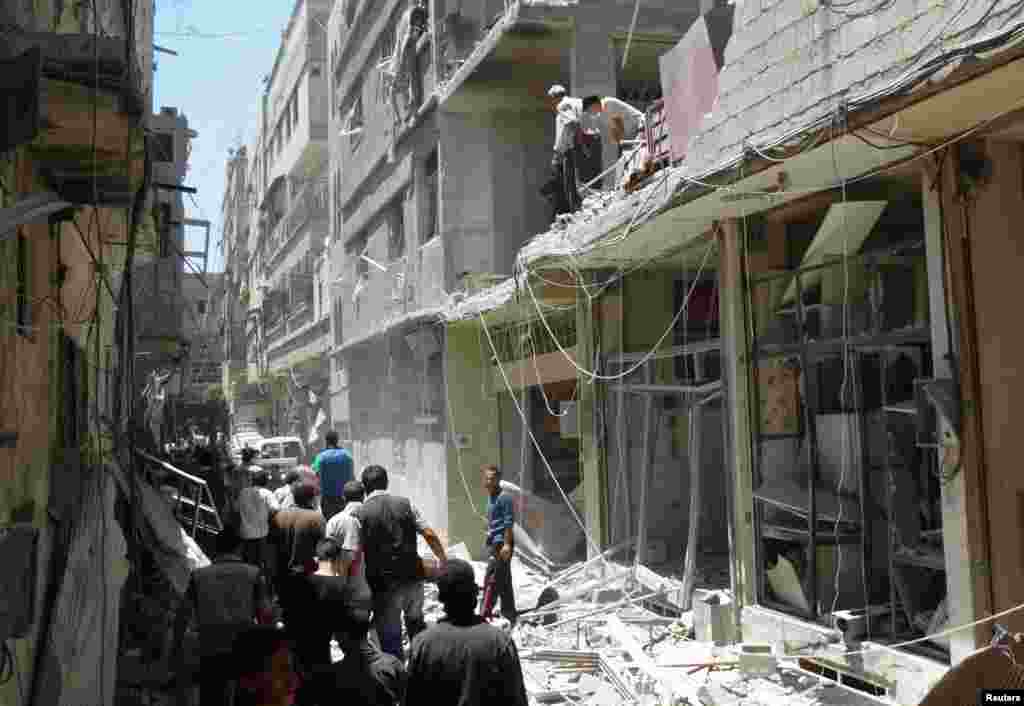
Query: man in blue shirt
x=333, y=466
x=501, y=519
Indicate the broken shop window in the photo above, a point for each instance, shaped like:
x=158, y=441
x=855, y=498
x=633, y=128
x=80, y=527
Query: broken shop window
x=847, y=497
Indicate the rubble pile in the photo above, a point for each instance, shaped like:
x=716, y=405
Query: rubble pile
x=615, y=634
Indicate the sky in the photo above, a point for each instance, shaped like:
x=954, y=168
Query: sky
x=224, y=49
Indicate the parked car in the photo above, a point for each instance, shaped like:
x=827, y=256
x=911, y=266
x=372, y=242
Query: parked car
x=246, y=438
x=279, y=455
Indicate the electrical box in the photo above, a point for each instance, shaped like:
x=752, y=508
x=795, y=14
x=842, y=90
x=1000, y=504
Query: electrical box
x=17, y=580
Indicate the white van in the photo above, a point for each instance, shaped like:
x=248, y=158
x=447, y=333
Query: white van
x=279, y=454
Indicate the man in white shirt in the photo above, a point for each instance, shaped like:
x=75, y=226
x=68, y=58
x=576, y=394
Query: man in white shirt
x=345, y=528
x=624, y=121
x=256, y=505
x=568, y=116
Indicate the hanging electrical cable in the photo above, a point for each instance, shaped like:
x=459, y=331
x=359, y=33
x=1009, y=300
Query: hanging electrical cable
x=595, y=375
x=536, y=444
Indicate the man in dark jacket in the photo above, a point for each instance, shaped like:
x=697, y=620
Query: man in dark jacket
x=366, y=675
x=226, y=598
x=463, y=661
x=390, y=525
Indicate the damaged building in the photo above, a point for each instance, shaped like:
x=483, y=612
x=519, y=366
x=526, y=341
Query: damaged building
x=775, y=350
x=772, y=353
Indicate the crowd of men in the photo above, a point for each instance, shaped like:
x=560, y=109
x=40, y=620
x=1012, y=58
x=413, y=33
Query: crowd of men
x=331, y=557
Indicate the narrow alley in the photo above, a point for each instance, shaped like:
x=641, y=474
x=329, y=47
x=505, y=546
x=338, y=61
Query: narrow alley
x=574, y=352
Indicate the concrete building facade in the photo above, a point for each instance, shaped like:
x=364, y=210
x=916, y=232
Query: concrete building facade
x=440, y=142
x=69, y=188
x=288, y=182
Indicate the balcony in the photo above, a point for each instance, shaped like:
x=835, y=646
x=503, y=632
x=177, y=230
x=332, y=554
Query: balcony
x=413, y=285
x=309, y=207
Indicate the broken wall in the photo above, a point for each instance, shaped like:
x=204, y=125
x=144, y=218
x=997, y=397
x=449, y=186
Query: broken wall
x=492, y=168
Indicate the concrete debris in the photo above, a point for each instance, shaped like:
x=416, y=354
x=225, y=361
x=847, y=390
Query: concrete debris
x=607, y=641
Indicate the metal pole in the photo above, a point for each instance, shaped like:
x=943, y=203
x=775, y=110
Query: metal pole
x=812, y=438
x=645, y=469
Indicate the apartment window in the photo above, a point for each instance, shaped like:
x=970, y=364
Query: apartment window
x=431, y=197
x=164, y=246
x=201, y=307
x=24, y=306
x=338, y=337
x=396, y=228
x=164, y=147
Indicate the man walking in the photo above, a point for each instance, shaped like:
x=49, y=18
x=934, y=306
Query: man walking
x=390, y=525
x=462, y=659
x=256, y=505
x=500, y=546
x=333, y=466
x=296, y=532
x=346, y=529
x=226, y=598
x=366, y=675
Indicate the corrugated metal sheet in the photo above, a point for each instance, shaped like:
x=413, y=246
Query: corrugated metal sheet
x=80, y=666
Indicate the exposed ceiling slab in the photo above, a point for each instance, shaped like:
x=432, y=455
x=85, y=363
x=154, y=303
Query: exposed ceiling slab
x=843, y=232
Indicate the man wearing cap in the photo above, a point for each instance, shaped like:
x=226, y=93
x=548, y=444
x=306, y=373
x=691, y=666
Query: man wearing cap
x=462, y=659
x=568, y=116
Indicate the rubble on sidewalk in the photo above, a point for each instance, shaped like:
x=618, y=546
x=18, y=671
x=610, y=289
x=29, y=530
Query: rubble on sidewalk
x=613, y=636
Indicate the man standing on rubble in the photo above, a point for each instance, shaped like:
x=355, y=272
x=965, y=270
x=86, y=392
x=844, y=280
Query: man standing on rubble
x=333, y=466
x=390, y=525
x=500, y=545
x=568, y=117
x=462, y=659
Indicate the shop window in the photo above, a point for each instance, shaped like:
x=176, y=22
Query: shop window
x=846, y=494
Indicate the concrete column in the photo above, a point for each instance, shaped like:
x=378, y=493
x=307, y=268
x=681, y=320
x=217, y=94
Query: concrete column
x=972, y=523
x=959, y=587
x=593, y=72
x=595, y=486
x=473, y=437
x=736, y=373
